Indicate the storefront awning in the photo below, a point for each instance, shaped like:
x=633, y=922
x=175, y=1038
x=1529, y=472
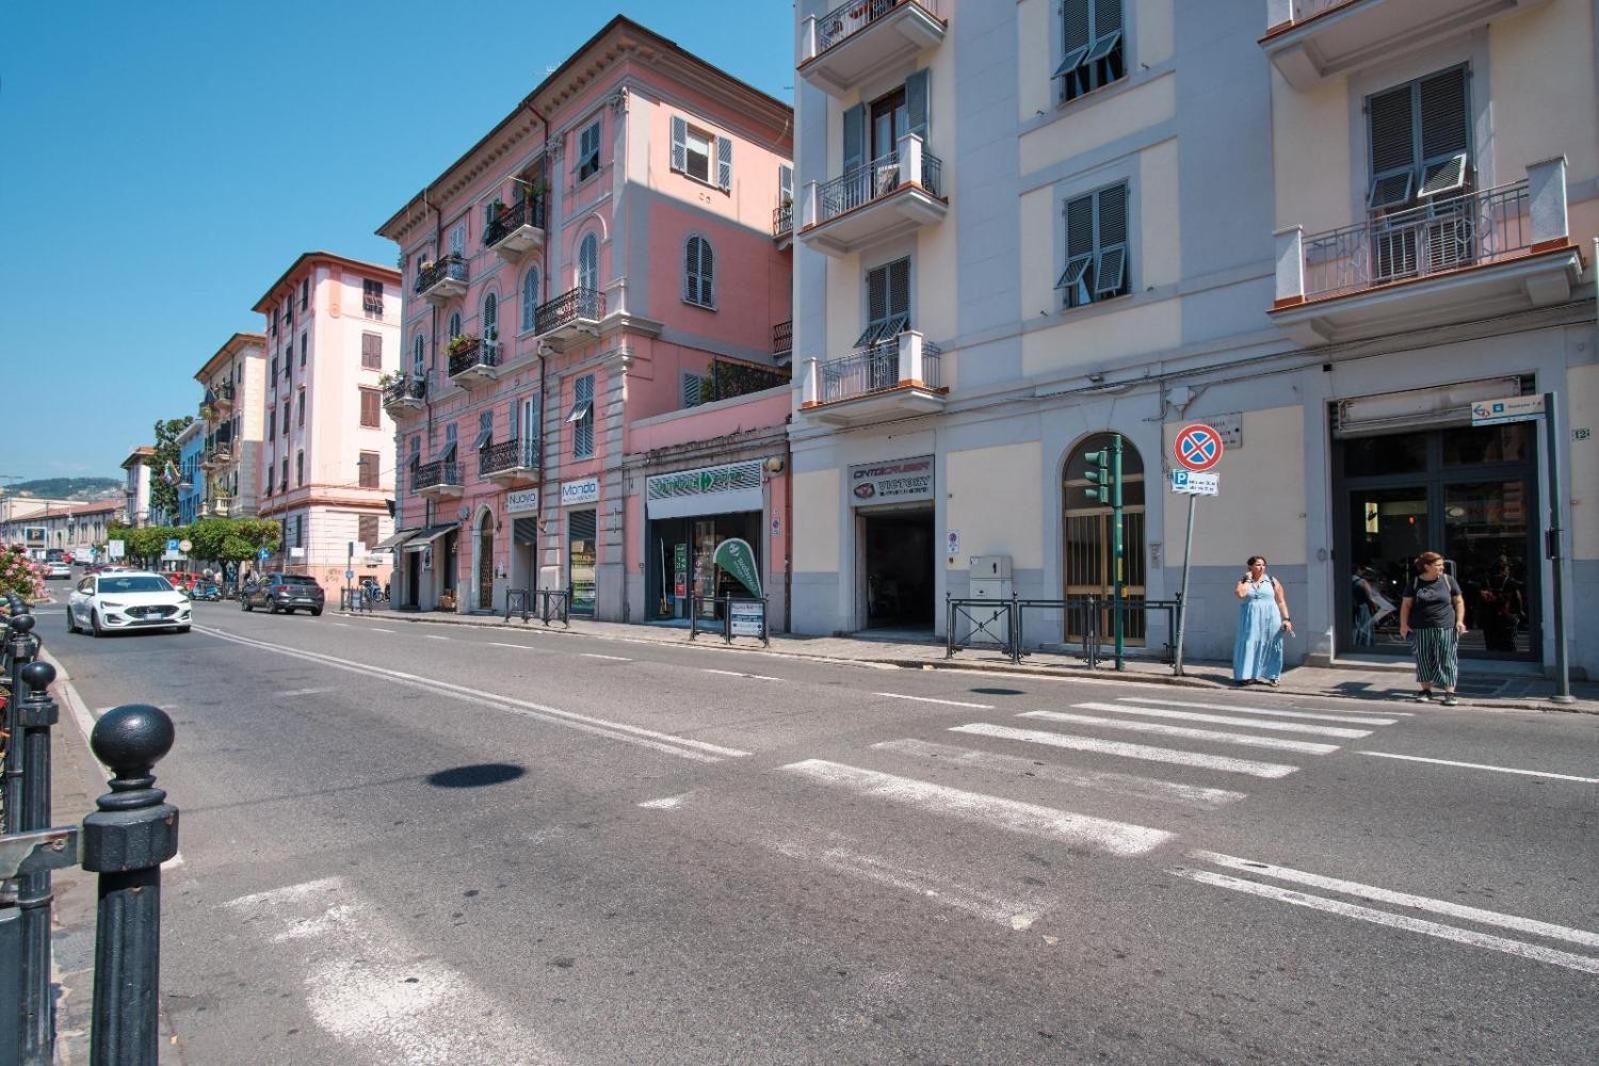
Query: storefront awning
x=426, y=537
x=389, y=543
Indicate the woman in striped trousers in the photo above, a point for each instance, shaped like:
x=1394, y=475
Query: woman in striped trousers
x=1435, y=612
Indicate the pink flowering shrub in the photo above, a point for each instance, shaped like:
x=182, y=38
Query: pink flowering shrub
x=20, y=574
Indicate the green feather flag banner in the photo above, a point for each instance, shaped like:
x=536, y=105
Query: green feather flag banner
x=738, y=558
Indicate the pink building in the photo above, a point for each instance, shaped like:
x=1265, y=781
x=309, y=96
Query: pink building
x=327, y=461
x=607, y=259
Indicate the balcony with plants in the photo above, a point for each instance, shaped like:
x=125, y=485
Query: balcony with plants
x=440, y=479
x=515, y=229
x=896, y=376
x=882, y=200
x=442, y=280
x=473, y=360
x=510, y=463
x=570, y=318
x=403, y=393
x=853, y=42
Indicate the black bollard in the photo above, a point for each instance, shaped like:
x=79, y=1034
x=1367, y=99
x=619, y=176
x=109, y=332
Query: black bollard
x=22, y=649
x=35, y=715
x=125, y=842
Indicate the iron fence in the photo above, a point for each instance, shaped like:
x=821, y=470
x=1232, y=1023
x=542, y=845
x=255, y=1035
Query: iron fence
x=451, y=266
x=1004, y=623
x=438, y=472
x=783, y=219
x=571, y=306
x=866, y=183
x=873, y=369
x=507, y=219
x=848, y=19
x=406, y=387
x=508, y=455
x=473, y=352
x=696, y=605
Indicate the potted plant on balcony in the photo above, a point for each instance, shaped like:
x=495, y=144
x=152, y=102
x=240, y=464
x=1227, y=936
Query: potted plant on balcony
x=460, y=343
x=388, y=378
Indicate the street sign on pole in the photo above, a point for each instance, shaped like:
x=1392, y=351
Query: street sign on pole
x=115, y=549
x=1198, y=447
x=1509, y=409
x=264, y=554
x=1190, y=483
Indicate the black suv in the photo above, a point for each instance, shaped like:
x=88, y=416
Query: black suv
x=282, y=592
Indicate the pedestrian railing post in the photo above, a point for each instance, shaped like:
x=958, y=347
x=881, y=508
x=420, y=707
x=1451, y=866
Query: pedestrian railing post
x=35, y=716
x=125, y=842
x=22, y=647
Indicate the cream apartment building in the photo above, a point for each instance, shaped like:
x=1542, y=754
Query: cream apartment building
x=327, y=462
x=1326, y=228
x=233, y=414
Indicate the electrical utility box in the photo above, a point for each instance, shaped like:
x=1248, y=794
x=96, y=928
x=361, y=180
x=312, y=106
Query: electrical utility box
x=990, y=580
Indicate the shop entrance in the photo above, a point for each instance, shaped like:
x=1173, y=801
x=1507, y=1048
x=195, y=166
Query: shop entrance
x=581, y=554
x=681, y=563
x=897, y=557
x=1469, y=493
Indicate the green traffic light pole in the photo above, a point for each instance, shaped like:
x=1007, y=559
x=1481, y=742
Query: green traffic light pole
x=1104, y=474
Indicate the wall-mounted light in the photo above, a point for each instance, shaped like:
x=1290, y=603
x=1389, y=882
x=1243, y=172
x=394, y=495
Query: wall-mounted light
x=774, y=465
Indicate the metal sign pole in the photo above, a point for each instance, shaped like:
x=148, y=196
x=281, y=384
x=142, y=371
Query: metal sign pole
x=1119, y=609
x=1182, y=602
x=1557, y=563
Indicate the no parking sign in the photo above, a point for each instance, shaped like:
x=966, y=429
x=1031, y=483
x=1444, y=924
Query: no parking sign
x=1198, y=447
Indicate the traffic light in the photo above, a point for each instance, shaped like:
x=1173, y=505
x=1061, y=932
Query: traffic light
x=1098, y=475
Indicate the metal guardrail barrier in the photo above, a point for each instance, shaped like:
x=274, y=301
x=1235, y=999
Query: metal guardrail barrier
x=1011, y=635
x=695, y=603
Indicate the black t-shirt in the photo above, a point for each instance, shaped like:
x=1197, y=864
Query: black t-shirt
x=1433, y=606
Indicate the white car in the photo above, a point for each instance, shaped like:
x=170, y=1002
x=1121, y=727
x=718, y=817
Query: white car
x=55, y=570
x=134, y=599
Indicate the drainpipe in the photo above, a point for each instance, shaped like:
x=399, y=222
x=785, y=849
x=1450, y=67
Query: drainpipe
x=544, y=280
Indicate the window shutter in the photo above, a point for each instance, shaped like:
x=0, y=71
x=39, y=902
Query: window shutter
x=370, y=405
x=916, y=101
x=691, y=266
x=854, y=138
x=1107, y=19
x=724, y=164
x=899, y=288
x=877, y=294
x=690, y=391
x=785, y=184
x=707, y=272
x=1392, y=123
x=1443, y=114
x=1077, y=36
x=1112, y=216
x=679, y=143
x=1080, y=227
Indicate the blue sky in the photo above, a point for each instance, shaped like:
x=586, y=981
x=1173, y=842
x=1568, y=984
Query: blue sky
x=162, y=163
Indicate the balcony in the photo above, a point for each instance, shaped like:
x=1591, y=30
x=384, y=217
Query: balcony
x=372, y=306
x=1310, y=40
x=887, y=198
x=442, y=281
x=1458, y=259
x=783, y=224
x=217, y=402
x=896, y=378
x=728, y=380
x=405, y=394
x=220, y=507
x=438, y=480
x=510, y=463
x=473, y=361
x=516, y=229
x=570, y=318
x=857, y=39
x=783, y=340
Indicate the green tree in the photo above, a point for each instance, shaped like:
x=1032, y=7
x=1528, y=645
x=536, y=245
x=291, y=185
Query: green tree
x=144, y=545
x=164, y=496
x=231, y=539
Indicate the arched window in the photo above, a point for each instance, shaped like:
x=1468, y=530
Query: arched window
x=419, y=356
x=588, y=263
x=491, y=317
x=1088, y=539
x=530, y=296
x=699, y=270
x=455, y=326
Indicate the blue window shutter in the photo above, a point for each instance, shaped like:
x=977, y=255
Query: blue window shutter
x=916, y=102
x=724, y=163
x=854, y=137
x=679, y=143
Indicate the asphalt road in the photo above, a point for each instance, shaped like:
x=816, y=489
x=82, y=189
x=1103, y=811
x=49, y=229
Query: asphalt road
x=417, y=843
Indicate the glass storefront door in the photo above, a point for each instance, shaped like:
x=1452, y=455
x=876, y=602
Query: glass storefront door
x=1469, y=493
x=580, y=558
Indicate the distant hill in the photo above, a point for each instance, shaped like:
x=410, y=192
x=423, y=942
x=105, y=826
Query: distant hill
x=85, y=489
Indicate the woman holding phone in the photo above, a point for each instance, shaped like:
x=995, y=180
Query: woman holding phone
x=1262, y=622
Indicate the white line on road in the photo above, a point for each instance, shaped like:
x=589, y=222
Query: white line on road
x=597, y=655
x=666, y=803
x=683, y=747
x=1183, y=731
x=929, y=699
x=518, y=647
x=1404, y=899
x=1581, y=963
x=1352, y=718
x=342, y=625
x=1103, y=781
x=378, y=629
x=1016, y=914
x=1114, y=838
x=737, y=673
x=1483, y=766
x=1226, y=719
x=1129, y=751
x=433, y=636
x=307, y=691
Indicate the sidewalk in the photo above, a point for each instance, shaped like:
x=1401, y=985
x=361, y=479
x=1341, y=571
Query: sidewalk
x=1363, y=681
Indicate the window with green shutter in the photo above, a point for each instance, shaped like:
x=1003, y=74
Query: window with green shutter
x=1097, y=258
x=1093, y=46
x=888, y=302
x=1420, y=140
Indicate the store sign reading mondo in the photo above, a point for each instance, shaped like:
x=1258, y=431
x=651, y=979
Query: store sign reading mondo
x=1198, y=447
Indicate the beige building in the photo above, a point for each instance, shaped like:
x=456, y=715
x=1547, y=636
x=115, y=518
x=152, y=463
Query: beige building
x=136, y=492
x=327, y=457
x=233, y=411
x=40, y=525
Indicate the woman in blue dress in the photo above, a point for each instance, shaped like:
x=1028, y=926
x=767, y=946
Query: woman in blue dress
x=1262, y=621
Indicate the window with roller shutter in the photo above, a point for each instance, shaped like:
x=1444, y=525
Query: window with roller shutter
x=1420, y=140
x=1097, y=261
x=1093, y=46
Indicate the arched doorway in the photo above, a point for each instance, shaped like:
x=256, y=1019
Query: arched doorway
x=1088, y=546
x=484, y=601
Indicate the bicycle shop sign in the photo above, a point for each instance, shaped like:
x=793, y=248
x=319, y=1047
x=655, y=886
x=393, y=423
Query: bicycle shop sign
x=898, y=481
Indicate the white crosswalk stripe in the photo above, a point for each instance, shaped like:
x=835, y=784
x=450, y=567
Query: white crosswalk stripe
x=1224, y=719
x=1100, y=834
x=1361, y=719
x=1215, y=735
x=1098, y=780
x=1147, y=752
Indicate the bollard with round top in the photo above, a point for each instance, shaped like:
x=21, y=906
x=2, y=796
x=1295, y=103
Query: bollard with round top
x=35, y=714
x=125, y=842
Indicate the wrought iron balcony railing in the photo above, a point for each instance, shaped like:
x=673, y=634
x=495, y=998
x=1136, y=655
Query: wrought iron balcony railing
x=783, y=219
x=372, y=306
x=878, y=178
x=572, y=306
x=874, y=369
x=432, y=475
x=783, y=338
x=506, y=455
x=848, y=19
x=406, y=387
x=476, y=352
x=451, y=266
x=1445, y=235
x=507, y=219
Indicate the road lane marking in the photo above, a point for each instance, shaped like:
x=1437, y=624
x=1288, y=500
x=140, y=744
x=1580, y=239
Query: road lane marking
x=518, y=647
x=1225, y=719
x=597, y=655
x=1483, y=766
x=1101, y=780
x=929, y=699
x=376, y=991
x=666, y=803
x=683, y=747
x=1130, y=751
x=1113, y=838
x=433, y=636
x=1316, y=716
x=1581, y=963
x=1214, y=735
x=307, y=691
x=378, y=629
x=342, y=625
x=737, y=673
x=1530, y=926
x=1014, y=914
